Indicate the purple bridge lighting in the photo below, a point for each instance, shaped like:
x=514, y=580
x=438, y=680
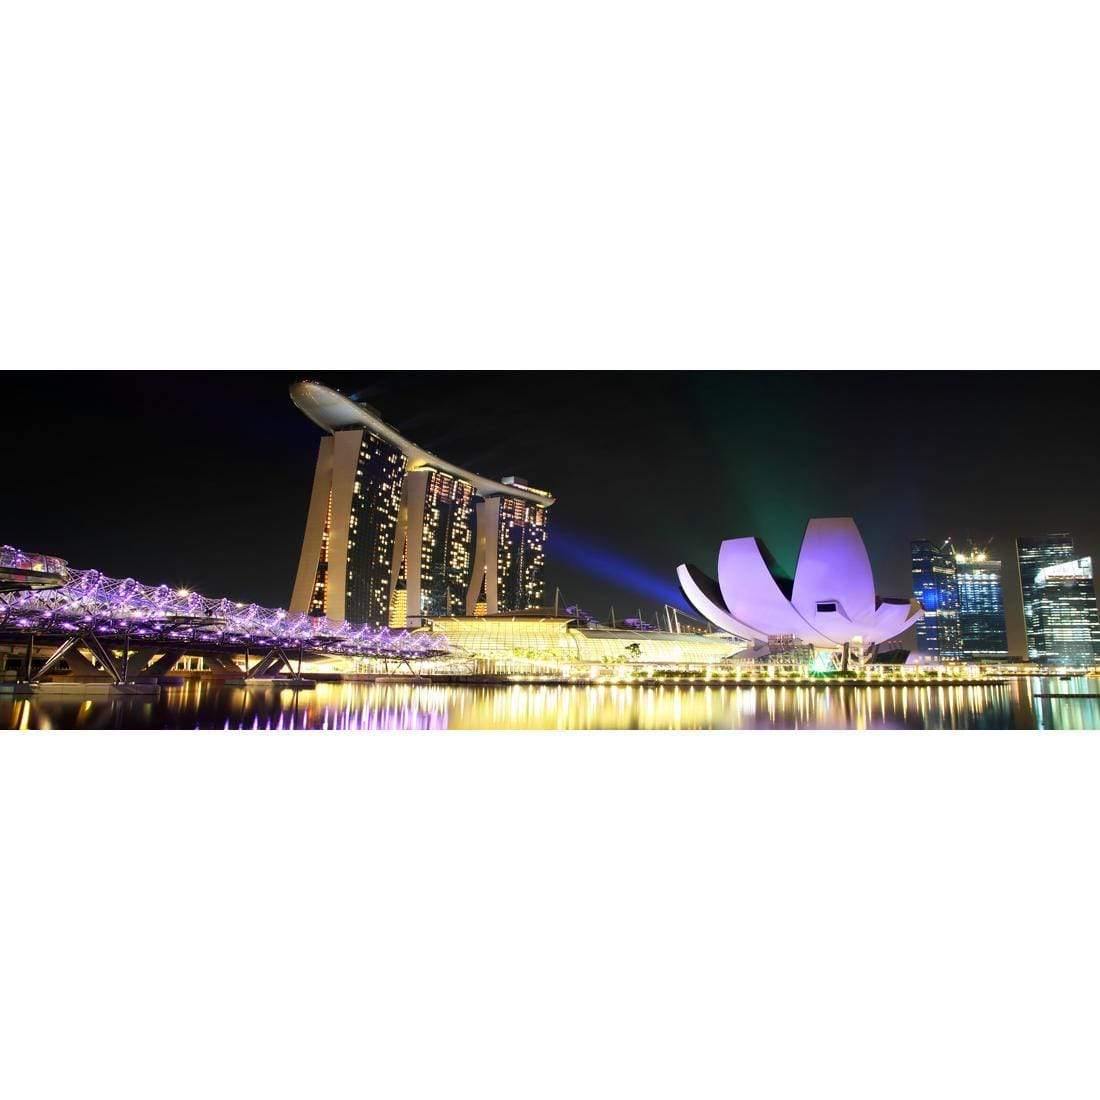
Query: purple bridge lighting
x=20, y=571
x=101, y=612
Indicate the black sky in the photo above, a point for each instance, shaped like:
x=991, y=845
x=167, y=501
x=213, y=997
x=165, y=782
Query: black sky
x=202, y=479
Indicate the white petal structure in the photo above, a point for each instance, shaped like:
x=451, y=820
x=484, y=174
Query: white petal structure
x=830, y=603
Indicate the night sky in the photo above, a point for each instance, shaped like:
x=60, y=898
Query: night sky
x=202, y=479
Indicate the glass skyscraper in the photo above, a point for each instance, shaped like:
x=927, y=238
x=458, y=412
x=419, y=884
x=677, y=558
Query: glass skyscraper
x=1060, y=614
x=981, y=606
x=935, y=587
x=1036, y=553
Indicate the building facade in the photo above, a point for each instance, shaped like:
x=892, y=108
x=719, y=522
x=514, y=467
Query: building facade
x=511, y=553
x=1062, y=623
x=351, y=528
x=982, y=631
x=537, y=637
x=433, y=561
x=397, y=536
x=1036, y=553
x=936, y=589
x=372, y=529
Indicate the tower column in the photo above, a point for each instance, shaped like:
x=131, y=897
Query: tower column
x=410, y=543
x=345, y=462
x=486, y=556
x=310, y=557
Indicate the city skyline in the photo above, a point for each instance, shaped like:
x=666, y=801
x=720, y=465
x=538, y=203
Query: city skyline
x=188, y=476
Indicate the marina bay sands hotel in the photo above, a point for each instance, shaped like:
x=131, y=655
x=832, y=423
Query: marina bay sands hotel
x=395, y=535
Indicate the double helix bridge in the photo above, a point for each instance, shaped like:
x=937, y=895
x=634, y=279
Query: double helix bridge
x=124, y=630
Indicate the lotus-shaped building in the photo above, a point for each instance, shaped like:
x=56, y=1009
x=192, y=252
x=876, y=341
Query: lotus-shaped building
x=830, y=604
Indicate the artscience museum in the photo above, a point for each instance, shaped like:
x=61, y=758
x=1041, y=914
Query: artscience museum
x=830, y=604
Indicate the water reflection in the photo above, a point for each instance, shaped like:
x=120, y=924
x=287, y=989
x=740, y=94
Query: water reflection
x=207, y=705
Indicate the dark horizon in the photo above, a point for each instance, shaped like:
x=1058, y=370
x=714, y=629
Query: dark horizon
x=202, y=479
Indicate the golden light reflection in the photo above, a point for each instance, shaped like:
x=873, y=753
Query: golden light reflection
x=1043, y=704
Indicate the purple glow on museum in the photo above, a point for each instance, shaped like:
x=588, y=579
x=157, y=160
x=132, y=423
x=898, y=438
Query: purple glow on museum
x=830, y=603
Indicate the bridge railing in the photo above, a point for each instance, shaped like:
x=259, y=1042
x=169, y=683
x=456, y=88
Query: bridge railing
x=13, y=558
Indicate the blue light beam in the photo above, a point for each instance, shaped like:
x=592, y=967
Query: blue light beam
x=597, y=561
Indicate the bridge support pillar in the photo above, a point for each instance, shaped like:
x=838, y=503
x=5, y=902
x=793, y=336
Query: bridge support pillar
x=271, y=662
x=77, y=662
x=219, y=662
x=69, y=652
x=145, y=662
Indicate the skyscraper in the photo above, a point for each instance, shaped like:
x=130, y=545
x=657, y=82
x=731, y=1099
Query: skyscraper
x=935, y=587
x=393, y=531
x=981, y=606
x=1060, y=613
x=1048, y=627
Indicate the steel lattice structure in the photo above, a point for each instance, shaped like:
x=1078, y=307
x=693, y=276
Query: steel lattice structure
x=91, y=603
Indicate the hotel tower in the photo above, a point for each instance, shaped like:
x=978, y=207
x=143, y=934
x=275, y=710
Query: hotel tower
x=395, y=535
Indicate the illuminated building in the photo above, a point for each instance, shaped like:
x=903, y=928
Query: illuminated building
x=399, y=609
x=936, y=589
x=344, y=572
x=396, y=536
x=1034, y=554
x=830, y=603
x=511, y=553
x=1063, y=626
x=436, y=530
x=981, y=606
x=541, y=638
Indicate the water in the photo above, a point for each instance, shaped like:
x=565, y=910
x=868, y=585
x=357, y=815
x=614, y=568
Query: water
x=208, y=705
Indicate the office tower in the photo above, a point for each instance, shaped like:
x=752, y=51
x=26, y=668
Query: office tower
x=392, y=529
x=1035, y=554
x=935, y=587
x=1048, y=626
x=1064, y=620
x=981, y=606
